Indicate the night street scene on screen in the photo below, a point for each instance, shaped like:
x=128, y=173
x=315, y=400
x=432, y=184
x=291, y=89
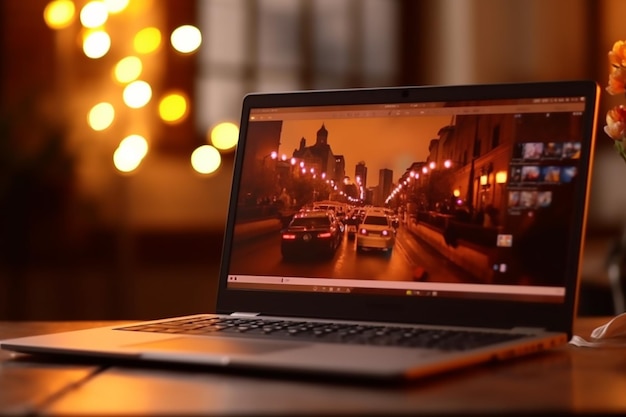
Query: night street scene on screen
x=481, y=199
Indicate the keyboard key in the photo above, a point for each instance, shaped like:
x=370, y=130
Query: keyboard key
x=329, y=332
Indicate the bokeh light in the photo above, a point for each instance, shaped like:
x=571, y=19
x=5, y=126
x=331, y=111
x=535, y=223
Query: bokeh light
x=115, y=6
x=224, y=136
x=127, y=69
x=136, y=144
x=59, y=14
x=186, y=38
x=173, y=107
x=125, y=161
x=130, y=152
x=147, y=40
x=206, y=159
x=96, y=44
x=94, y=14
x=101, y=116
x=137, y=94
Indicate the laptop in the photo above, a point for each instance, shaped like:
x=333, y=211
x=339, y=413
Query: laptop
x=387, y=234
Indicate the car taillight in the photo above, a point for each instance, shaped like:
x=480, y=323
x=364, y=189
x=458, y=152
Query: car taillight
x=289, y=236
x=324, y=235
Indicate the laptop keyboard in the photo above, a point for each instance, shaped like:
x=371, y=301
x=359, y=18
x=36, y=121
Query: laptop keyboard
x=449, y=340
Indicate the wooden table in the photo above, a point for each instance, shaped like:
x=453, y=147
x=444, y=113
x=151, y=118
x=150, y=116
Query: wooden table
x=566, y=380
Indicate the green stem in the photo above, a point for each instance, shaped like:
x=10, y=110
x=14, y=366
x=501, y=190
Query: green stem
x=619, y=145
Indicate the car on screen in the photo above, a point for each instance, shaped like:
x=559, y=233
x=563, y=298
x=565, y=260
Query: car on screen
x=393, y=218
x=353, y=219
x=376, y=232
x=314, y=233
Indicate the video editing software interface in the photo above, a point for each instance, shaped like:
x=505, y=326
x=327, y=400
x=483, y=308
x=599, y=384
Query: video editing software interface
x=442, y=199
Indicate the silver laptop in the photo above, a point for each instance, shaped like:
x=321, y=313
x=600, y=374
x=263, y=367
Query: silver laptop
x=387, y=233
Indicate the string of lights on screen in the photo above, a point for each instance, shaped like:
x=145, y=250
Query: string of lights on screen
x=173, y=106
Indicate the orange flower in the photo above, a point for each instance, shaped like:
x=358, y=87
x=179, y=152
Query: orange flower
x=616, y=123
x=617, y=81
x=617, y=55
x=616, y=117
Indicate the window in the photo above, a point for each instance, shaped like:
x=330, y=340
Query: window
x=278, y=45
x=495, y=137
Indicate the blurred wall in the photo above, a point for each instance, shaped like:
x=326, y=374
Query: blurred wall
x=486, y=41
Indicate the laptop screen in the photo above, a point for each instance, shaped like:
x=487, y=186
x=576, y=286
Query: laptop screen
x=441, y=199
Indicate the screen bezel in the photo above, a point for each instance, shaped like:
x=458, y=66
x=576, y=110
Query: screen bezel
x=426, y=310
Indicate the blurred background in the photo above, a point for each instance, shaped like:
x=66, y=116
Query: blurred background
x=118, y=120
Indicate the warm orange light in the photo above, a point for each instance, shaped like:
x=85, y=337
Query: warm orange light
x=483, y=180
x=501, y=177
x=206, y=159
x=116, y=6
x=128, y=69
x=173, y=107
x=225, y=136
x=101, y=116
x=186, y=39
x=130, y=152
x=96, y=44
x=94, y=14
x=136, y=144
x=59, y=14
x=147, y=40
x=137, y=94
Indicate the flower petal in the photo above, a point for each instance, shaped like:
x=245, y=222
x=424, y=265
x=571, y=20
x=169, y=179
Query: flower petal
x=616, y=123
x=617, y=81
x=617, y=55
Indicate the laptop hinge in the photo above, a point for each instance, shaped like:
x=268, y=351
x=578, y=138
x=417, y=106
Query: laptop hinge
x=244, y=314
x=532, y=330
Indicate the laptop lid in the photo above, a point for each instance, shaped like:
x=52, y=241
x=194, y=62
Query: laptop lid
x=485, y=188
